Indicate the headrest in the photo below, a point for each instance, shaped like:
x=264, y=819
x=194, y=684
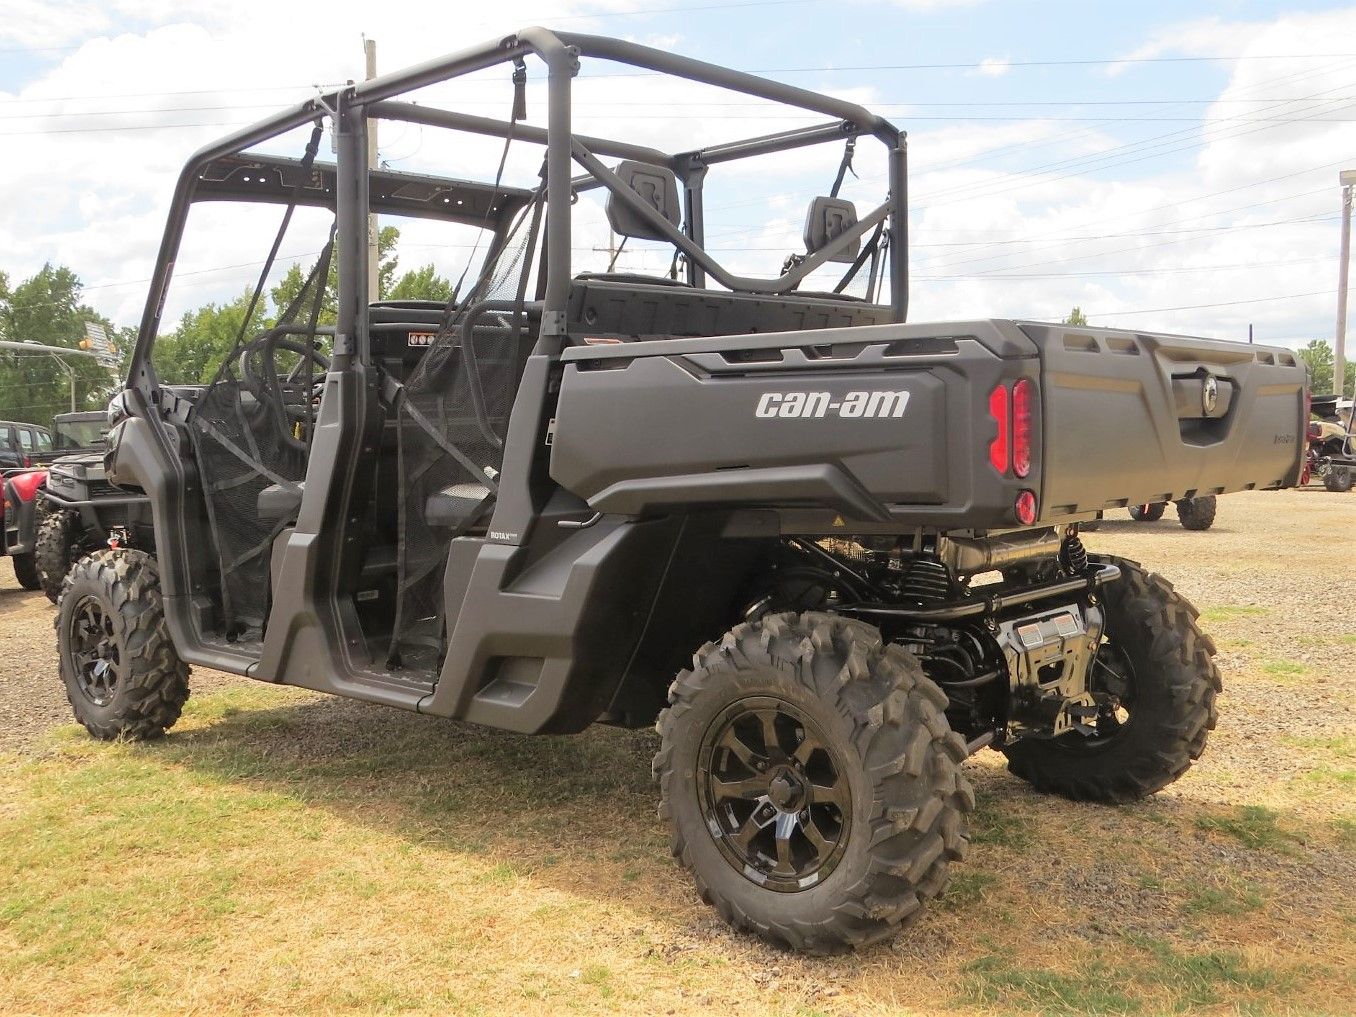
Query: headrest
x=828, y=220
x=658, y=187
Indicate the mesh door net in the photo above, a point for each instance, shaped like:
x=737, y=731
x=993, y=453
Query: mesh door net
x=445, y=445
x=251, y=430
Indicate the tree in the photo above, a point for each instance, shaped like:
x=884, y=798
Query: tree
x=421, y=284
x=290, y=285
x=46, y=309
x=1317, y=357
x=204, y=337
x=1076, y=317
x=191, y=354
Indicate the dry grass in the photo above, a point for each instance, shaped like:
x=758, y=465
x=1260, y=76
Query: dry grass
x=285, y=852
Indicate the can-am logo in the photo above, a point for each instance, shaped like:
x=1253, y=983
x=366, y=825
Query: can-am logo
x=823, y=404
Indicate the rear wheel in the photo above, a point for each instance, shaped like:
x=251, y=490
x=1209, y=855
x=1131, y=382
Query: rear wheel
x=26, y=570
x=1338, y=479
x=1155, y=685
x=60, y=542
x=811, y=782
x=1149, y=513
x=122, y=675
x=1197, y=513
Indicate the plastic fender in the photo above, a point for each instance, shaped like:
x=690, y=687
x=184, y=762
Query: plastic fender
x=25, y=485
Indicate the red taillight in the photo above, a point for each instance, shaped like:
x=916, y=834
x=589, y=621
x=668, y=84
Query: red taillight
x=999, y=411
x=1021, y=427
x=1025, y=508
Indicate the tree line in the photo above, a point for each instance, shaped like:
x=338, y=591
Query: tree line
x=48, y=308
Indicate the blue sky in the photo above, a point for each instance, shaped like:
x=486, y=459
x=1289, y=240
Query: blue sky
x=1199, y=177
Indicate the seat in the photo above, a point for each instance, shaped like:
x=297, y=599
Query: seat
x=658, y=186
x=829, y=219
x=280, y=502
x=456, y=508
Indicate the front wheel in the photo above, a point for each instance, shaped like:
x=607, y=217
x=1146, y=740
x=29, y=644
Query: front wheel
x=1338, y=479
x=26, y=570
x=1197, y=513
x=122, y=675
x=60, y=541
x=811, y=782
x=1154, y=682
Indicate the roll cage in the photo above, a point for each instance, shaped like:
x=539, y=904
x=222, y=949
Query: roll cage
x=354, y=188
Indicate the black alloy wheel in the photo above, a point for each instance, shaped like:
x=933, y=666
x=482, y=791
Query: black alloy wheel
x=773, y=787
x=1155, y=685
x=1112, y=683
x=94, y=654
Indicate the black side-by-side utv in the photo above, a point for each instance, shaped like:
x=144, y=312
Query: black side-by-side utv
x=834, y=553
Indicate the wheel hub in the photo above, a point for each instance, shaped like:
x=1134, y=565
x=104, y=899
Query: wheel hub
x=94, y=655
x=785, y=790
x=774, y=794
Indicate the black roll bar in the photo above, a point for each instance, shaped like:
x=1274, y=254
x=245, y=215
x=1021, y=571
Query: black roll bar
x=561, y=52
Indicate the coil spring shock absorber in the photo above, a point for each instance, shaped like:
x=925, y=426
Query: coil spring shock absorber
x=927, y=582
x=1073, y=556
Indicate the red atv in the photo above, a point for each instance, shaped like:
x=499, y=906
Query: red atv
x=19, y=495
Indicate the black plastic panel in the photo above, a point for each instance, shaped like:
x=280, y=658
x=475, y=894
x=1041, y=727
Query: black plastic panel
x=890, y=431
x=1125, y=417
x=598, y=308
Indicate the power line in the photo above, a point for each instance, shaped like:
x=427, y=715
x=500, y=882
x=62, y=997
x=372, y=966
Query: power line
x=1177, y=270
x=1012, y=63
x=1142, y=150
x=1197, y=307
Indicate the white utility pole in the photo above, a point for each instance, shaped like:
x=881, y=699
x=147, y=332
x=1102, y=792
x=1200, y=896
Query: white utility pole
x=1339, y=360
x=373, y=252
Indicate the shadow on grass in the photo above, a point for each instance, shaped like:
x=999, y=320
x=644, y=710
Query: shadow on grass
x=577, y=814
x=534, y=802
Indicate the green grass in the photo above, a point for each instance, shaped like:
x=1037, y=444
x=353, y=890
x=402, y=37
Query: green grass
x=995, y=822
x=1346, y=831
x=1342, y=746
x=1332, y=776
x=1203, y=978
x=1284, y=668
x=1252, y=825
x=994, y=981
x=1228, y=612
x=1144, y=974
x=1226, y=900
x=967, y=888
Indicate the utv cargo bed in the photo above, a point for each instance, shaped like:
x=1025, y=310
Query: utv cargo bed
x=923, y=412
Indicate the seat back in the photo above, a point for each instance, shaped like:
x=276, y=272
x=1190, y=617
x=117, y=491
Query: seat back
x=829, y=219
x=658, y=186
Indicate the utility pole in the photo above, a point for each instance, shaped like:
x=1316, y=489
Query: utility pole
x=611, y=250
x=1339, y=361
x=373, y=252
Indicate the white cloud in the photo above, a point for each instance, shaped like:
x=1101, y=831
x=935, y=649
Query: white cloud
x=994, y=67
x=1251, y=217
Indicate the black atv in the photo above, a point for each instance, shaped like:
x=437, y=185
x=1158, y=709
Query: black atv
x=834, y=553
x=78, y=509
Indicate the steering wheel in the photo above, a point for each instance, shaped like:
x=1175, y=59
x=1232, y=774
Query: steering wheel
x=259, y=374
